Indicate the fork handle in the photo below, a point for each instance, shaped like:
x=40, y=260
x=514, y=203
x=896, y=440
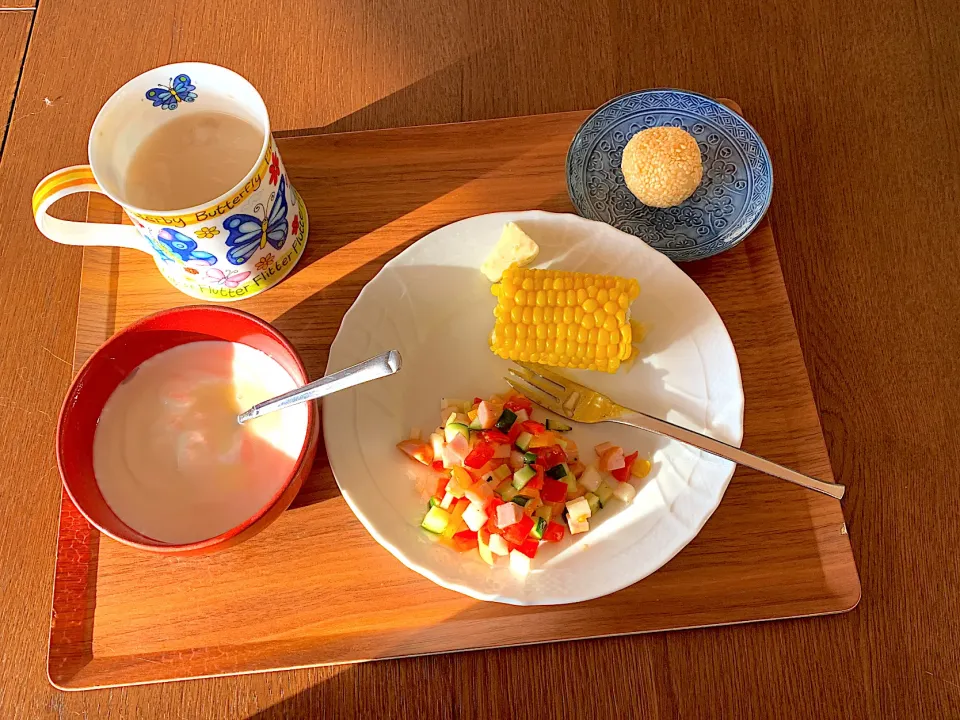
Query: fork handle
x=729, y=452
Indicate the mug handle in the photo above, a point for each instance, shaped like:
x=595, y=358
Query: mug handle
x=68, y=181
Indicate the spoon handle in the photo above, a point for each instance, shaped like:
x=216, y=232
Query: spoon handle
x=376, y=367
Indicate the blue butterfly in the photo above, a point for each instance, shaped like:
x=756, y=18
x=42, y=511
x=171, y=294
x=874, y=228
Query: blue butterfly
x=178, y=91
x=183, y=247
x=249, y=233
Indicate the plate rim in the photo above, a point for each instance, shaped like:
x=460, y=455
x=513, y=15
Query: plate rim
x=677, y=91
x=518, y=216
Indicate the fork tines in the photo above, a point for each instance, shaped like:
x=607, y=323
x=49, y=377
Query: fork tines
x=542, y=386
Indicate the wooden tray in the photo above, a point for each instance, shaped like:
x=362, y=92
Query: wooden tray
x=315, y=588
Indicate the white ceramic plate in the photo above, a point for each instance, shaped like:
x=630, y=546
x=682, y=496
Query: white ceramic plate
x=434, y=306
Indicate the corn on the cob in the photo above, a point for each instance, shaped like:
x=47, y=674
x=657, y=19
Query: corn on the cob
x=563, y=319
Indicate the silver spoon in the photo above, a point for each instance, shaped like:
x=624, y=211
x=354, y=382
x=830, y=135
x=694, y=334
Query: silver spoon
x=376, y=367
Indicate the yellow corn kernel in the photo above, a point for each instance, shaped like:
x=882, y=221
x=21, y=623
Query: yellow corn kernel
x=641, y=468
x=588, y=322
x=592, y=291
x=614, y=292
x=633, y=289
x=594, y=337
x=578, y=315
x=541, y=344
x=599, y=317
x=603, y=337
x=524, y=356
x=601, y=353
x=621, y=316
x=581, y=296
x=527, y=283
x=509, y=331
x=541, y=332
x=571, y=297
x=626, y=334
x=516, y=314
x=578, y=281
x=520, y=297
x=603, y=296
x=582, y=334
x=611, y=307
x=495, y=289
x=613, y=364
x=589, y=305
x=534, y=357
x=624, y=301
x=568, y=315
x=610, y=324
x=528, y=314
x=521, y=330
x=551, y=331
x=536, y=314
x=552, y=359
x=572, y=331
x=551, y=297
x=541, y=298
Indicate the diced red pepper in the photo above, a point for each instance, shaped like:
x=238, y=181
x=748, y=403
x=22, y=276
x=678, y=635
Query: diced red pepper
x=554, y=532
x=550, y=456
x=623, y=474
x=518, y=532
x=514, y=433
x=536, y=483
x=437, y=465
x=529, y=547
x=533, y=427
x=479, y=456
x=465, y=540
x=477, y=400
x=553, y=491
x=518, y=403
x=496, y=437
x=442, y=485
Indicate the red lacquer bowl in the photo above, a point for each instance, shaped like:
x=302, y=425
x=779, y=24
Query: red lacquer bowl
x=116, y=359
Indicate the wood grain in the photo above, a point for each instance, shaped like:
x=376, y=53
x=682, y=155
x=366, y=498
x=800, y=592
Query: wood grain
x=857, y=103
x=123, y=617
x=14, y=32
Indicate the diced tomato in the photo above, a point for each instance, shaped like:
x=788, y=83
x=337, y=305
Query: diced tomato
x=518, y=402
x=492, y=504
x=550, y=456
x=496, y=437
x=518, y=532
x=553, y=491
x=478, y=457
x=466, y=540
x=442, y=485
x=437, y=465
x=623, y=474
x=529, y=547
x=554, y=532
x=514, y=433
x=533, y=427
x=477, y=400
x=419, y=451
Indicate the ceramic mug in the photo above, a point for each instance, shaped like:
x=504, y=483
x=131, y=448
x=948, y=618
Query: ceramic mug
x=234, y=246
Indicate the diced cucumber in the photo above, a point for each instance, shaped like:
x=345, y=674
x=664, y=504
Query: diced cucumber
x=604, y=492
x=502, y=472
x=520, y=500
x=539, y=527
x=593, y=501
x=475, y=424
x=558, y=472
x=571, y=482
x=545, y=512
x=436, y=520
x=454, y=429
x=507, y=418
x=457, y=417
x=509, y=494
x=557, y=426
x=523, y=440
x=433, y=502
x=522, y=476
x=522, y=415
x=529, y=458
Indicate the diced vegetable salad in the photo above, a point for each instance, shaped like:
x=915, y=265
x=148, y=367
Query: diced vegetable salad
x=506, y=483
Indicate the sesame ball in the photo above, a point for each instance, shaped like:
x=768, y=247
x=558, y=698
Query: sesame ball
x=662, y=166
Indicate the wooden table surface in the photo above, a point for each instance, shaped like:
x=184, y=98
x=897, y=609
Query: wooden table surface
x=858, y=104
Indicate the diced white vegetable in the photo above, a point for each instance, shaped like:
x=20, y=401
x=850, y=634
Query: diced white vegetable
x=590, y=478
x=516, y=460
x=501, y=452
x=578, y=509
x=475, y=516
x=614, y=460
x=478, y=493
x=602, y=448
x=436, y=442
x=509, y=514
x=460, y=446
x=577, y=526
x=448, y=456
x=522, y=416
x=455, y=403
x=415, y=433
x=624, y=491
x=447, y=501
x=446, y=414
x=488, y=414
x=453, y=488
x=519, y=563
x=498, y=546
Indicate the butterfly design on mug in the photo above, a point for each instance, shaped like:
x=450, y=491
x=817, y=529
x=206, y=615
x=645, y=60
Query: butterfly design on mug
x=226, y=278
x=169, y=96
x=249, y=233
x=185, y=248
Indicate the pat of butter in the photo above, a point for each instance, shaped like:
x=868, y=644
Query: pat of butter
x=514, y=246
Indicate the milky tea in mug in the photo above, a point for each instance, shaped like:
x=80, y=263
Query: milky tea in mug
x=186, y=150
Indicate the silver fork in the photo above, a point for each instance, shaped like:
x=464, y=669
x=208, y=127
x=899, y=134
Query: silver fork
x=581, y=404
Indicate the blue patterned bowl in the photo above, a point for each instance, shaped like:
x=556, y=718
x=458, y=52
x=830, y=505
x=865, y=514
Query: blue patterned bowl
x=732, y=198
